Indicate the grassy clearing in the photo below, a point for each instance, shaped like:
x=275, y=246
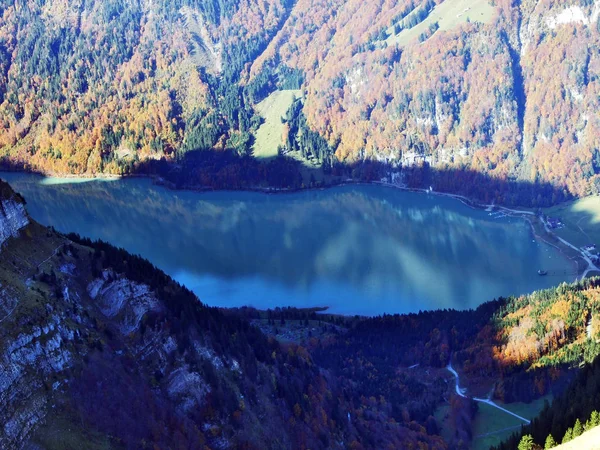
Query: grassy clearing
x=441, y=416
x=61, y=433
x=491, y=425
x=581, y=219
x=550, y=238
x=19, y=261
x=269, y=135
x=448, y=15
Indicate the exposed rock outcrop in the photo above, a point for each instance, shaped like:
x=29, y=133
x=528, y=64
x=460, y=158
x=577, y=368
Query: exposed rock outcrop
x=60, y=318
x=12, y=218
x=25, y=362
x=123, y=299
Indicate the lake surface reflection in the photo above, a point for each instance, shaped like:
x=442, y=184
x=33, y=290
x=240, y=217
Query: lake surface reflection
x=357, y=249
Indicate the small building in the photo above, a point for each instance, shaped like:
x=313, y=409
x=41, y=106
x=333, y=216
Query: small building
x=554, y=222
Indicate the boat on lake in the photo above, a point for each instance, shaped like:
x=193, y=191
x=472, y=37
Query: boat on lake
x=542, y=272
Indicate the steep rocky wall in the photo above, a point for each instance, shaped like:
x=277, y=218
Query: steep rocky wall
x=39, y=353
x=13, y=217
x=25, y=363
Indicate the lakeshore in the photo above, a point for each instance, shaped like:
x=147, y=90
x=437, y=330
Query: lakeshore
x=581, y=261
x=361, y=249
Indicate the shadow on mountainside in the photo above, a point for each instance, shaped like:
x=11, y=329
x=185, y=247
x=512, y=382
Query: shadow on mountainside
x=208, y=169
x=227, y=170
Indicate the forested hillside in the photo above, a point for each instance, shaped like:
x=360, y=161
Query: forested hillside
x=514, y=350
x=508, y=90
x=93, y=86
x=98, y=346
x=511, y=92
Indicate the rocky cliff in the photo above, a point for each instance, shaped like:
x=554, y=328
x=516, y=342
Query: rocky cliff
x=13, y=216
x=69, y=325
x=62, y=326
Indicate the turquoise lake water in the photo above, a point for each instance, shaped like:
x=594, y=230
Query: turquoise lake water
x=357, y=249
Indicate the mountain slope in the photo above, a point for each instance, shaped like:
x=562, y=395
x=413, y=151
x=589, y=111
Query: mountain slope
x=483, y=94
x=505, y=89
x=99, y=348
x=124, y=357
x=94, y=86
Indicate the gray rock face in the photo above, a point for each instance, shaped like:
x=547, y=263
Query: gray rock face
x=51, y=327
x=187, y=388
x=24, y=362
x=123, y=300
x=12, y=218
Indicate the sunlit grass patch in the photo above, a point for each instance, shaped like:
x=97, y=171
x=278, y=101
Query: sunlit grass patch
x=448, y=15
x=269, y=135
x=492, y=425
x=581, y=219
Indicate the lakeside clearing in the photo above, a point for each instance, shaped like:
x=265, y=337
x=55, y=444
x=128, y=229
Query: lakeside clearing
x=581, y=262
x=581, y=219
x=269, y=135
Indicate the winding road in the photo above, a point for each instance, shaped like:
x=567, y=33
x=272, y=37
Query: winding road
x=461, y=392
x=590, y=265
x=509, y=211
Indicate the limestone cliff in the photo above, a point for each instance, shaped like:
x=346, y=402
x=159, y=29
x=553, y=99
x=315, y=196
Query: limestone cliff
x=12, y=213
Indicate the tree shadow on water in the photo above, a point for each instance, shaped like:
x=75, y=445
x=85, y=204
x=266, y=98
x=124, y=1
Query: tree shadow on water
x=210, y=169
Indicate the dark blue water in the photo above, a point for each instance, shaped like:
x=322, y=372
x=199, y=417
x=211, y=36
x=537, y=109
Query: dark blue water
x=357, y=249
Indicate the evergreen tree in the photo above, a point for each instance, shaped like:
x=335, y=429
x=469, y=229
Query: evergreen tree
x=550, y=442
x=577, y=429
x=568, y=436
x=526, y=443
x=595, y=419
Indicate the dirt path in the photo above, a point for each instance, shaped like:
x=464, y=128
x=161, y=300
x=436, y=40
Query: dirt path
x=52, y=255
x=461, y=392
x=491, y=433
